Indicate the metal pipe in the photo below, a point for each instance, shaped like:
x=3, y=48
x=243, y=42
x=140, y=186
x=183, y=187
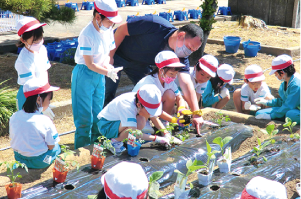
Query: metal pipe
x=66, y=133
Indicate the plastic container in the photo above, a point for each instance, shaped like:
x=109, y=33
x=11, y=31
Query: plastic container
x=166, y=15
x=194, y=14
x=59, y=176
x=97, y=163
x=251, y=48
x=132, y=2
x=232, y=43
x=149, y=2
x=161, y=1
x=133, y=151
x=181, y=15
x=120, y=3
x=224, y=10
x=13, y=192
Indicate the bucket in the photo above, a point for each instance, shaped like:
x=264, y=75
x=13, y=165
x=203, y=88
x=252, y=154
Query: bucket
x=251, y=48
x=231, y=43
x=133, y=151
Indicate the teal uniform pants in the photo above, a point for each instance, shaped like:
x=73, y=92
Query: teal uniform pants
x=88, y=92
x=20, y=98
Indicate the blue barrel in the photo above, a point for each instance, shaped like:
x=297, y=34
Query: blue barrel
x=133, y=151
x=231, y=43
x=251, y=48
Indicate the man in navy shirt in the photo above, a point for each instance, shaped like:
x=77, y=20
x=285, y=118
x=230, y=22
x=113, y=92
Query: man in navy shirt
x=138, y=42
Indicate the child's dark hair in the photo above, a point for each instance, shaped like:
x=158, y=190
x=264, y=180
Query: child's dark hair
x=36, y=33
x=197, y=65
x=30, y=105
x=137, y=101
x=289, y=70
x=156, y=70
x=216, y=83
x=101, y=15
x=101, y=194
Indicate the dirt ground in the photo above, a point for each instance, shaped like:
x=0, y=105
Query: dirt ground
x=60, y=75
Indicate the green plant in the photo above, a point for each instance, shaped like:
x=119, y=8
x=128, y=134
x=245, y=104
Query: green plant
x=106, y=144
x=135, y=133
x=271, y=132
x=151, y=180
x=184, y=135
x=191, y=167
x=170, y=127
x=210, y=156
x=209, y=8
x=258, y=149
x=222, y=142
x=67, y=152
x=10, y=167
x=68, y=57
x=221, y=117
x=289, y=124
x=7, y=106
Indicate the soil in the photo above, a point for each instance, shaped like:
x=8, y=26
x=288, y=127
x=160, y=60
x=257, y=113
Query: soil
x=60, y=75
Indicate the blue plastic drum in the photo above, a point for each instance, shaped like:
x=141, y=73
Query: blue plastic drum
x=232, y=43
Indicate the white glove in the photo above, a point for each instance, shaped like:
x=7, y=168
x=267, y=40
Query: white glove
x=175, y=140
x=224, y=93
x=263, y=116
x=251, y=107
x=49, y=113
x=162, y=140
x=109, y=66
x=112, y=73
x=261, y=101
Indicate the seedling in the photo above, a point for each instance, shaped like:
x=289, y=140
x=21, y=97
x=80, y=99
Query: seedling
x=271, y=132
x=221, y=117
x=106, y=144
x=10, y=167
x=65, y=154
x=258, y=149
x=191, y=168
x=152, y=181
x=289, y=124
x=170, y=127
x=135, y=133
x=222, y=142
x=184, y=135
x=211, y=155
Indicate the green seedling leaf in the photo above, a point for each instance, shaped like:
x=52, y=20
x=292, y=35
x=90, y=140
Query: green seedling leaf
x=272, y=141
x=265, y=144
x=208, y=147
x=188, y=163
x=275, y=132
x=156, y=176
x=294, y=124
x=218, y=140
x=255, y=149
x=19, y=176
x=270, y=128
x=264, y=158
x=259, y=142
x=226, y=140
x=297, y=136
x=286, y=129
x=92, y=196
x=191, y=185
x=177, y=171
x=292, y=136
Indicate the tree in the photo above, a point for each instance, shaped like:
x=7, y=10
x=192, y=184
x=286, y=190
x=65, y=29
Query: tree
x=209, y=8
x=43, y=10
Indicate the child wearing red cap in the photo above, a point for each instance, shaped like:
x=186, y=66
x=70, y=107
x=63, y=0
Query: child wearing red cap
x=95, y=42
x=253, y=88
x=32, y=61
x=130, y=111
x=216, y=95
x=33, y=135
x=288, y=105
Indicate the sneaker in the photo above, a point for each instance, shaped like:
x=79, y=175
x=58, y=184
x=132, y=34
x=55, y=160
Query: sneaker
x=117, y=148
x=148, y=129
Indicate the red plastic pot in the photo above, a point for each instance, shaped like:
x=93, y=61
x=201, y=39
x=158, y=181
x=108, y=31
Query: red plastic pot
x=13, y=191
x=97, y=163
x=59, y=176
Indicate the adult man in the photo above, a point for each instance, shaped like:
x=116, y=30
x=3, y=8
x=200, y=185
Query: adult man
x=138, y=42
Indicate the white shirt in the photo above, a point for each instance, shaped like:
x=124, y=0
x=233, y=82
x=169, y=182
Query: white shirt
x=149, y=79
x=122, y=108
x=31, y=133
x=247, y=94
x=30, y=65
x=97, y=44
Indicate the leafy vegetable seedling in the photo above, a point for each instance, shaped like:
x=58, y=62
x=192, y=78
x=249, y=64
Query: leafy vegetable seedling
x=184, y=135
x=210, y=155
x=65, y=154
x=106, y=144
x=271, y=132
x=289, y=125
x=221, y=117
x=258, y=149
x=153, y=189
x=222, y=142
x=10, y=167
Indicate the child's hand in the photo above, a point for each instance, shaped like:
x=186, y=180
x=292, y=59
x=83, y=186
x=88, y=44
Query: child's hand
x=261, y=101
x=224, y=93
x=112, y=73
x=251, y=107
x=161, y=140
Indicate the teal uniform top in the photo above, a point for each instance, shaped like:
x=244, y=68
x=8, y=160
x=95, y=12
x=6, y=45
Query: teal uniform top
x=208, y=96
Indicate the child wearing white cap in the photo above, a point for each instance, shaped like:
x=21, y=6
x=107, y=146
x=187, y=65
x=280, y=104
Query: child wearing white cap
x=262, y=188
x=163, y=76
x=253, y=88
x=34, y=137
x=288, y=105
x=216, y=95
x=130, y=111
x=124, y=180
x=32, y=61
x=95, y=42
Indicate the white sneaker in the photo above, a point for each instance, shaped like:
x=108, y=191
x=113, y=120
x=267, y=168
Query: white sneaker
x=117, y=147
x=148, y=128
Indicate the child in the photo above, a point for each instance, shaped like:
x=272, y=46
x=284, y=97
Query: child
x=288, y=105
x=253, y=88
x=32, y=61
x=163, y=76
x=88, y=82
x=130, y=111
x=34, y=137
x=216, y=95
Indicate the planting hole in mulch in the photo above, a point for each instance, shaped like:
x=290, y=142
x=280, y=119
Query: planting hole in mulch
x=143, y=159
x=214, y=187
x=69, y=187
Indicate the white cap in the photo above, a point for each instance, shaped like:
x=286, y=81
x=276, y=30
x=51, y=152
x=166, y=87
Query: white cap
x=150, y=97
x=226, y=73
x=109, y=9
x=27, y=24
x=209, y=64
x=262, y=188
x=125, y=180
x=254, y=73
x=281, y=62
x=167, y=58
x=37, y=86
